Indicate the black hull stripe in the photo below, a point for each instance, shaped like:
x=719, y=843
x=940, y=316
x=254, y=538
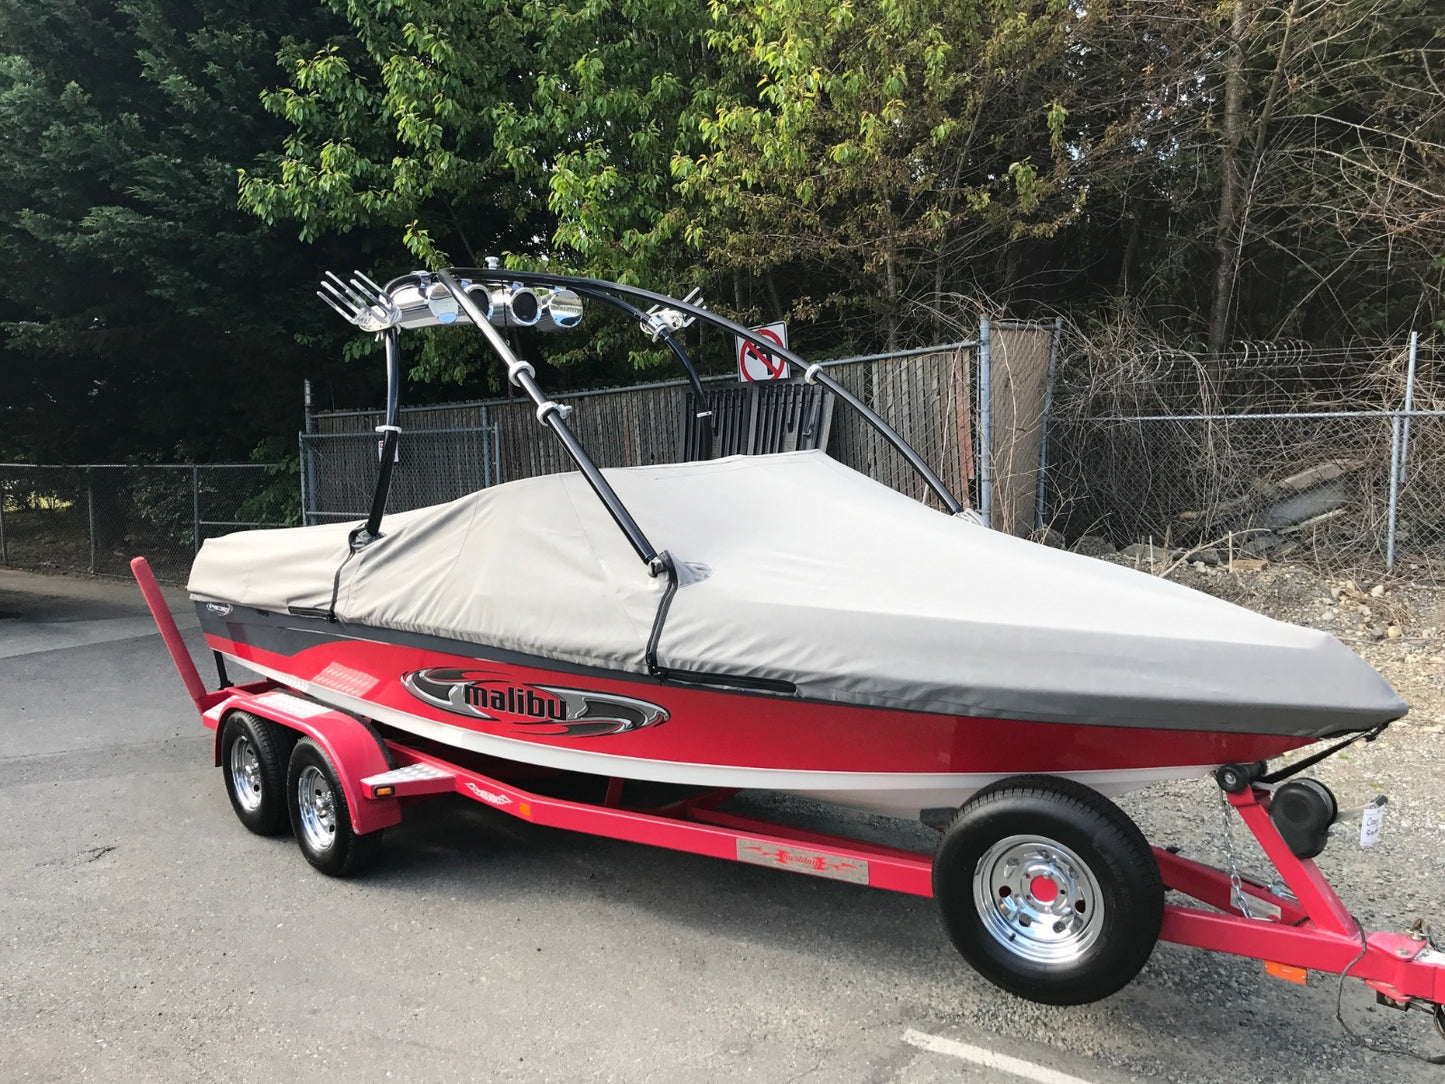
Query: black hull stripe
x=291, y=633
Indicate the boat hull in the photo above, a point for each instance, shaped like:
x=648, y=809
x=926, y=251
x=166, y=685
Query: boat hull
x=629, y=726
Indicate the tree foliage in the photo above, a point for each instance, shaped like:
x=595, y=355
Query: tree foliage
x=142, y=310
x=540, y=129
x=874, y=169
x=892, y=151
x=879, y=167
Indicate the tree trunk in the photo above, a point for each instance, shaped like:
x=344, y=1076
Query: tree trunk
x=1227, y=222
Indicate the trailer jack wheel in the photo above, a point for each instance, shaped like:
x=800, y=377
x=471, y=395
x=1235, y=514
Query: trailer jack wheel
x=319, y=815
x=1049, y=890
x=253, y=758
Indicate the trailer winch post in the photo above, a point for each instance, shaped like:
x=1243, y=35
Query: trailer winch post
x=1309, y=927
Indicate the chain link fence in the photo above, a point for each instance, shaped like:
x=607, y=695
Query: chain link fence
x=1279, y=452
x=95, y=518
x=930, y=395
x=1335, y=457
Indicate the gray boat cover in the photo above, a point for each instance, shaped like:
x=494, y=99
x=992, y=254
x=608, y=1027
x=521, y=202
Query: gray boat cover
x=807, y=572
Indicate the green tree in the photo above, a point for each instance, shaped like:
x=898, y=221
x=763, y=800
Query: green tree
x=892, y=151
x=143, y=311
x=542, y=130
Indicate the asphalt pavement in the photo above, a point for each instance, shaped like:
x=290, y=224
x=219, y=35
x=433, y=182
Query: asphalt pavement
x=145, y=935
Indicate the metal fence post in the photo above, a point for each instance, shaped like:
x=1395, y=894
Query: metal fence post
x=1395, y=428
x=302, y=444
x=195, y=508
x=4, y=542
x=90, y=515
x=1399, y=445
x=1409, y=402
x=985, y=422
x=488, y=434
x=308, y=457
x=1040, y=508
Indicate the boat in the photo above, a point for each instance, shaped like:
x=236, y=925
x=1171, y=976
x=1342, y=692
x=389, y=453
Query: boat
x=620, y=652
x=773, y=622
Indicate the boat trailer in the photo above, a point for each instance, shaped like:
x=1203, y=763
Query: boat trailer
x=356, y=782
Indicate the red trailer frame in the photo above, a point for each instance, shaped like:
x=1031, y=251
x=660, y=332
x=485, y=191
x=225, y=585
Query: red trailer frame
x=1306, y=929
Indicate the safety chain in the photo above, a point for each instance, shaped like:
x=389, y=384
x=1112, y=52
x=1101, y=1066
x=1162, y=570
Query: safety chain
x=1236, y=884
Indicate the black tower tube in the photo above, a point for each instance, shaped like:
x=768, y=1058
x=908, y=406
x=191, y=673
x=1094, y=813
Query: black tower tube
x=391, y=437
x=813, y=372
x=676, y=348
x=523, y=376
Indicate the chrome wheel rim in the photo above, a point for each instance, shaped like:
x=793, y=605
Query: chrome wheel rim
x=246, y=774
x=317, y=804
x=1038, y=899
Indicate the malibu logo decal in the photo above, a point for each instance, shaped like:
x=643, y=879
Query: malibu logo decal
x=543, y=710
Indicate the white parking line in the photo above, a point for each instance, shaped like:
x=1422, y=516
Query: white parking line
x=989, y=1059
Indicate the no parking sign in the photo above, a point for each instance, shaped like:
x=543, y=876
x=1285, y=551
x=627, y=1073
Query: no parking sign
x=755, y=363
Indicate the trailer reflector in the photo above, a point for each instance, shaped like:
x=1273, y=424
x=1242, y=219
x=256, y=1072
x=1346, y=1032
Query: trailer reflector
x=1287, y=972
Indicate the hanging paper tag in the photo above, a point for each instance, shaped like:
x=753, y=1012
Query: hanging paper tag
x=1371, y=821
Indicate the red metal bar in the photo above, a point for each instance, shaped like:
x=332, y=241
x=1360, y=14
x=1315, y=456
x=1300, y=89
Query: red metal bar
x=839, y=859
x=689, y=807
x=1301, y=874
x=1212, y=886
x=171, y=634
x=1393, y=963
x=803, y=835
x=1315, y=932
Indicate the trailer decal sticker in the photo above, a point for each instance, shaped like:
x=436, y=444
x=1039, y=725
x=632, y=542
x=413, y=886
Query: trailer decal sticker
x=801, y=860
x=487, y=796
x=541, y=710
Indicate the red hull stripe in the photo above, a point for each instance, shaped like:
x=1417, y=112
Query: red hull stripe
x=721, y=728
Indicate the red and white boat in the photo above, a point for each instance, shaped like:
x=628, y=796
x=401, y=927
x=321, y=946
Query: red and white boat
x=781, y=623
x=773, y=622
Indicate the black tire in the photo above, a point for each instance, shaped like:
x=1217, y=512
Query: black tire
x=254, y=753
x=1049, y=890
x=320, y=817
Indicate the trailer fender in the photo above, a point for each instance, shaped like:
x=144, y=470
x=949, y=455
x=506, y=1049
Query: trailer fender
x=353, y=747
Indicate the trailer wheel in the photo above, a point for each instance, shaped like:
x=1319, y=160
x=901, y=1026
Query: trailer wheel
x=320, y=817
x=1049, y=890
x=253, y=759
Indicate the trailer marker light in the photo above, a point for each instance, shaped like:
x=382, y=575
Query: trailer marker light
x=1287, y=972
x=383, y=792
x=525, y=809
